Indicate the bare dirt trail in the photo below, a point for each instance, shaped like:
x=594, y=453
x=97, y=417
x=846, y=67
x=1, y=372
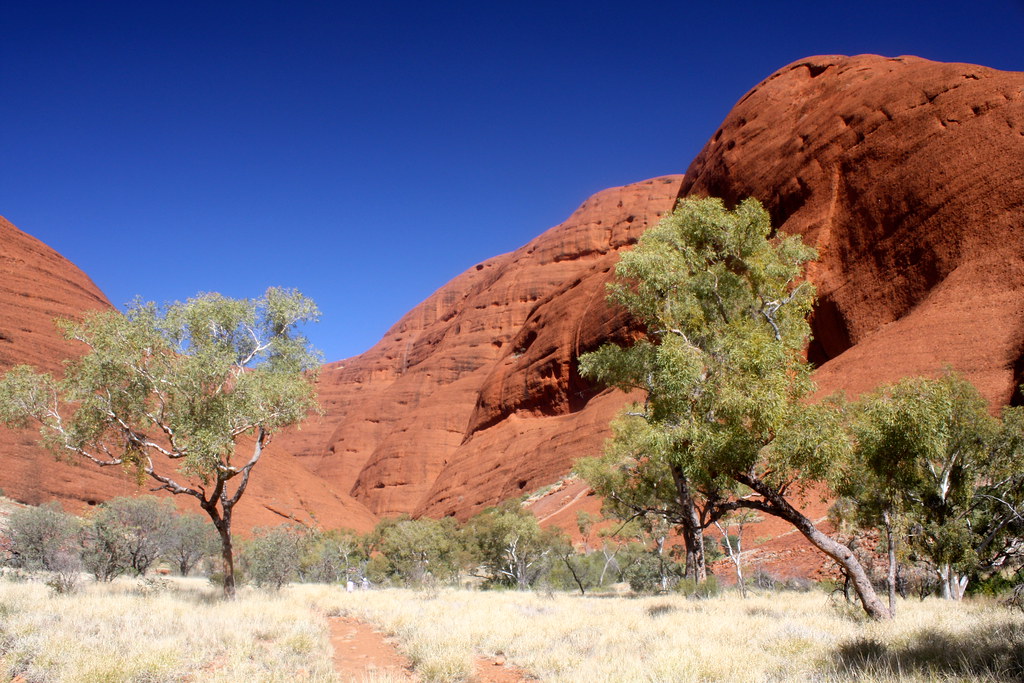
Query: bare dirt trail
x=362, y=653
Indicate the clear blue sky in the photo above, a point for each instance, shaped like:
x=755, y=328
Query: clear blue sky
x=366, y=153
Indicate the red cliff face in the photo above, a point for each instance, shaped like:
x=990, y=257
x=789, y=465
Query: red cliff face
x=38, y=285
x=473, y=397
x=908, y=176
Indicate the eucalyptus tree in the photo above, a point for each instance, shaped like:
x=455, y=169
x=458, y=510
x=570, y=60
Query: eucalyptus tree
x=186, y=395
x=640, y=486
x=723, y=374
x=512, y=547
x=421, y=551
x=932, y=465
x=272, y=557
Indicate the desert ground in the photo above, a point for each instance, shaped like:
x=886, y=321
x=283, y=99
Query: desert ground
x=169, y=629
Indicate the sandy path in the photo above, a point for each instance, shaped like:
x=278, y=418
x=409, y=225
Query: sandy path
x=360, y=652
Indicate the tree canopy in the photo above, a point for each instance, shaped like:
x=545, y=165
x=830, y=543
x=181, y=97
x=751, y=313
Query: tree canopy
x=724, y=423
x=933, y=466
x=176, y=393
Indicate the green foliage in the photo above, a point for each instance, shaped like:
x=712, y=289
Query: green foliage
x=415, y=552
x=190, y=541
x=947, y=474
x=42, y=537
x=331, y=556
x=169, y=392
x=577, y=571
x=271, y=557
x=133, y=532
x=196, y=375
x=708, y=588
x=721, y=368
x=651, y=572
x=724, y=423
x=104, y=551
x=511, y=546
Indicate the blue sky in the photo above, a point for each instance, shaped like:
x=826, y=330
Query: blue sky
x=368, y=154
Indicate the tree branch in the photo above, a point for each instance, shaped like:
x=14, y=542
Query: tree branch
x=257, y=452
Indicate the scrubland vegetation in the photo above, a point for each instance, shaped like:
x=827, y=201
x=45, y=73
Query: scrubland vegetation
x=183, y=629
x=928, y=489
x=140, y=624
x=784, y=636
x=160, y=630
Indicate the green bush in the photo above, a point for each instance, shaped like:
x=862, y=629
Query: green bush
x=271, y=558
x=42, y=537
x=704, y=589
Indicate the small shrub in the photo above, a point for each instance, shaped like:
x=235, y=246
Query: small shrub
x=799, y=584
x=702, y=590
x=272, y=557
x=764, y=579
x=190, y=539
x=216, y=577
x=41, y=536
x=650, y=573
x=66, y=568
x=152, y=585
x=1016, y=598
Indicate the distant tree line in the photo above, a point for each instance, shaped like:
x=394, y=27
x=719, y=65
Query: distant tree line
x=503, y=547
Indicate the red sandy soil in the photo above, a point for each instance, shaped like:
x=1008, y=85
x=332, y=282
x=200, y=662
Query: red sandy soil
x=360, y=650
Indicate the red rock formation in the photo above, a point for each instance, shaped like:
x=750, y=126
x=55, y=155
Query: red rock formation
x=908, y=175
x=473, y=397
x=38, y=285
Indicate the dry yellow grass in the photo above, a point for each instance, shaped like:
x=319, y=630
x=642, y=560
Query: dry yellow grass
x=121, y=633
x=118, y=632
x=780, y=637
